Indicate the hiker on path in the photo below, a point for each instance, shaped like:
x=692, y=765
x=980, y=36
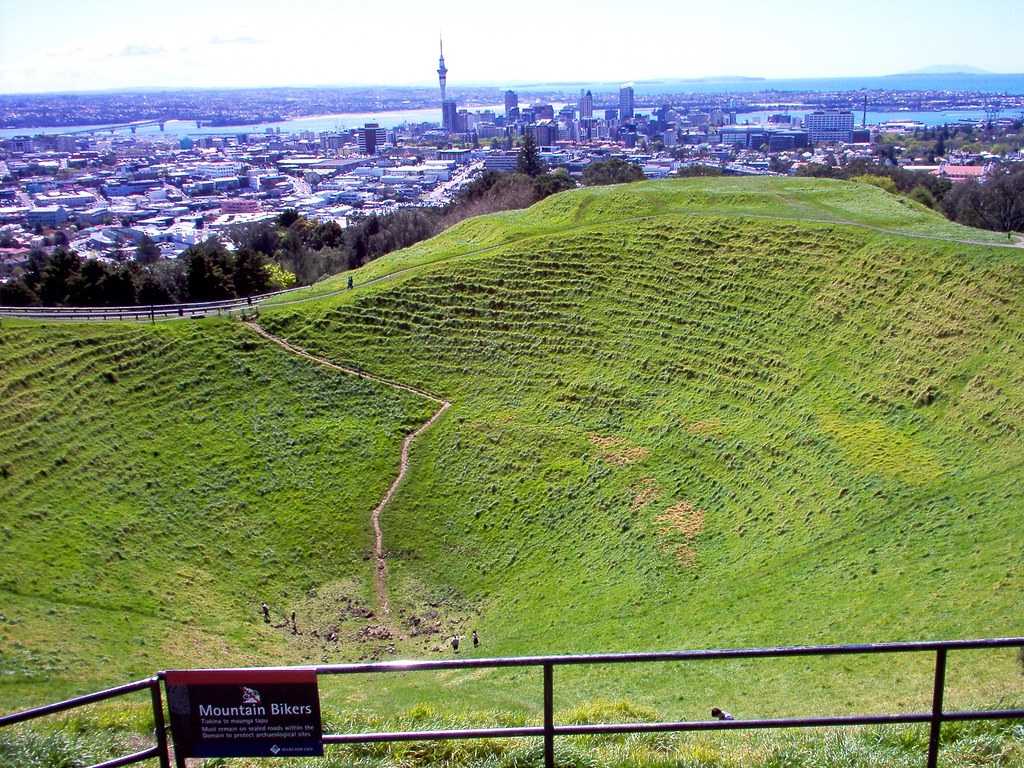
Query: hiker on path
x=295, y=627
x=455, y=643
x=476, y=639
x=266, y=612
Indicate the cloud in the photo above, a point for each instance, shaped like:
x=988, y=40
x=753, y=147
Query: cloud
x=241, y=40
x=140, y=50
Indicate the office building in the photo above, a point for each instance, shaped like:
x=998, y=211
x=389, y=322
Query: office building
x=545, y=132
x=450, y=116
x=829, y=126
x=544, y=112
x=511, y=102
x=507, y=162
x=370, y=138
x=586, y=105
x=626, y=102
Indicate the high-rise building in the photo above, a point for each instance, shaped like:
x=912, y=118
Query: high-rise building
x=626, y=102
x=586, y=106
x=370, y=137
x=511, y=101
x=442, y=74
x=544, y=112
x=545, y=132
x=450, y=115
x=829, y=126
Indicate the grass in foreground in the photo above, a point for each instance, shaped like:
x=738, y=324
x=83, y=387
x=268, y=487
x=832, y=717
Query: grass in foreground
x=992, y=744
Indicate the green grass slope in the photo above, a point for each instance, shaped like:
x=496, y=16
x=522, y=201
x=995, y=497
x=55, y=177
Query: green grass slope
x=677, y=425
x=821, y=200
x=157, y=483
x=684, y=414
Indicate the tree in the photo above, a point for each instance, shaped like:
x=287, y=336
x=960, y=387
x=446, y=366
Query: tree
x=615, y=170
x=529, y=162
x=119, y=287
x=548, y=184
x=147, y=252
x=923, y=195
x=997, y=204
x=60, y=277
x=17, y=293
x=250, y=276
x=153, y=290
x=288, y=217
x=882, y=182
x=688, y=171
x=208, y=268
x=261, y=236
x=91, y=286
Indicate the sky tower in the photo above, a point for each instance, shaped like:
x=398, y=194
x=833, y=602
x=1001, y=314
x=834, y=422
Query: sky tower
x=442, y=72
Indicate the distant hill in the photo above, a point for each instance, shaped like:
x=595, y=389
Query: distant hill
x=946, y=69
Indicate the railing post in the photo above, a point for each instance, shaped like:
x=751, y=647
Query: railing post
x=549, y=718
x=936, y=721
x=158, y=723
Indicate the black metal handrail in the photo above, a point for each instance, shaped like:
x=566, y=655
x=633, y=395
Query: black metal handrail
x=158, y=750
x=549, y=730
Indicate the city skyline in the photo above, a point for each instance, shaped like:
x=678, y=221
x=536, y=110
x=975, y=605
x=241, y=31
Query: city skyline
x=233, y=45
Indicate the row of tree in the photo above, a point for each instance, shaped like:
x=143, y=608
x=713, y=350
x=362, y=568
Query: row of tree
x=206, y=272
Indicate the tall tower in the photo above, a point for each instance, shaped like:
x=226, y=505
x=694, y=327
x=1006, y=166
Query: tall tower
x=442, y=73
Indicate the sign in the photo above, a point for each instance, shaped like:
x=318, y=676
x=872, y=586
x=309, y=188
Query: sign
x=245, y=713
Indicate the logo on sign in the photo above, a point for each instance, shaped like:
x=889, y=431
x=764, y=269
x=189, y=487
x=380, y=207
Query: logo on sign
x=250, y=695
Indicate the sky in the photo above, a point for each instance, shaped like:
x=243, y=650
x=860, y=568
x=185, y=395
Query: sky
x=72, y=45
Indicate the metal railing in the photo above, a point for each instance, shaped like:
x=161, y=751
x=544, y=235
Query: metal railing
x=144, y=312
x=158, y=750
x=548, y=731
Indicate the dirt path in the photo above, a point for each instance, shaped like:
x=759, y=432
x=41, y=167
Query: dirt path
x=380, y=578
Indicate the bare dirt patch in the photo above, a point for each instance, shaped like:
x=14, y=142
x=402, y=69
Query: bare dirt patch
x=644, y=493
x=682, y=521
x=705, y=427
x=618, y=450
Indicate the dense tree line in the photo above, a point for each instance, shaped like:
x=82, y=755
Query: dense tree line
x=696, y=171
x=614, y=170
x=997, y=203
x=205, y=272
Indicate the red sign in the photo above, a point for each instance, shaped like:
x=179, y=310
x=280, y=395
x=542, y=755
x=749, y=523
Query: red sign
x=245, y=712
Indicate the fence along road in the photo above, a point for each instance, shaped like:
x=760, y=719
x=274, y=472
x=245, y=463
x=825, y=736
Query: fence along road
x=548, y=730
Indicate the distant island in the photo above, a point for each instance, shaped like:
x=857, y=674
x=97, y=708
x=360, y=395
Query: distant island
x=945, y=69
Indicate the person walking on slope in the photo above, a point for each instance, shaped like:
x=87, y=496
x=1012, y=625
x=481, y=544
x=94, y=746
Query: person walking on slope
x=476, y=639
x=455, y=643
